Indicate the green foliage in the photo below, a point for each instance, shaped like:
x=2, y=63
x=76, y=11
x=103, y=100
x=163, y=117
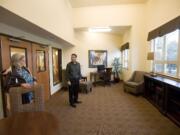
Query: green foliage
x=117, y=66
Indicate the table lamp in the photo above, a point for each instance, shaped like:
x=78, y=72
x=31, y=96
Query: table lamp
x=150, y=56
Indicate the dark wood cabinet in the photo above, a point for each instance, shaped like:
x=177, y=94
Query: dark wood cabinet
x=164, y=94
x=173, y=103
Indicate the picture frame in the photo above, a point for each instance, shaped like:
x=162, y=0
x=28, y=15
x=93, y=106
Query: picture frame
x=97, y=57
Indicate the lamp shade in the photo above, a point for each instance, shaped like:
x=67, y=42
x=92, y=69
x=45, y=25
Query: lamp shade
x=150, y=56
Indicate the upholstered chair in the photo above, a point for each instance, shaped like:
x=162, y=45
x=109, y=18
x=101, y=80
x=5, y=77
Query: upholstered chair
x=135, y=84
x=85, y=86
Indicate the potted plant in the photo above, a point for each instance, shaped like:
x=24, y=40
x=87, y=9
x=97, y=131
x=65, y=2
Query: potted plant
x=117, y=69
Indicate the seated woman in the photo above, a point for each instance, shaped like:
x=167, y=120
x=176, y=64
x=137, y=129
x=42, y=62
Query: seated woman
x=19, y=75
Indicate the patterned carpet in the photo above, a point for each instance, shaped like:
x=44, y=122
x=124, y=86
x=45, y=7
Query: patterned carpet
x=109, y=111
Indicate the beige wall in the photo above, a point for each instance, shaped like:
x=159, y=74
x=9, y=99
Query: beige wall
x=57, y=17
x=127, y=38
x=159, y=12
x=115, y=15
x=141, y=17
x=119, y=15
x=54, y=16
x=93, y=41
x=9, y=30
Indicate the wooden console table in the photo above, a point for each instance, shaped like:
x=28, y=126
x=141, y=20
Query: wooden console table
x=94, y=76
x=164, y=94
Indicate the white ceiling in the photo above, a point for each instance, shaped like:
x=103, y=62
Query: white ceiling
x=117, y=30
x=85, y=3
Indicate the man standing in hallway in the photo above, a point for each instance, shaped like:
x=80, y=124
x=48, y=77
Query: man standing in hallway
x=73, y=72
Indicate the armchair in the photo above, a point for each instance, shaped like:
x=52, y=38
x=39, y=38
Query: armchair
x=135, y=83
x=85, y=86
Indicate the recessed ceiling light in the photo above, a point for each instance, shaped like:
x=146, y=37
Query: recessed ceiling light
x=99, y=29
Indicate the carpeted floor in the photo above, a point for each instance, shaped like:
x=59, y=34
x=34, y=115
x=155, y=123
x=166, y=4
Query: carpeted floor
x=109, y=111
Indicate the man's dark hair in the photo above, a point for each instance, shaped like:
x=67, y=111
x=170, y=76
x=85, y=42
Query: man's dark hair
x=74, y=55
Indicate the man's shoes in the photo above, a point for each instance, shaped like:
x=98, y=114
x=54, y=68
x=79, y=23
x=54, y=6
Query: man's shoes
x=77, y=102
x=73, y=105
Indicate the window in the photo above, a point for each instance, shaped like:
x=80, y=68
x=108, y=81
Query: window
x=125, y=53
x=40, y=61
x=159, y=48
x=57, y=68
x=167, y=54
x=22, y=51
x=125, y=58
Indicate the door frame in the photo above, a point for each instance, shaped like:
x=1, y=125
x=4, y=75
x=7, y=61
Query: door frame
x=47, y=68
x=60, y=65
x=1, y=67
x=1, y=83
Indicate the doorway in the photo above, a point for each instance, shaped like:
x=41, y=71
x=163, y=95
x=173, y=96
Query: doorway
x=41, y=67
x=36, y=57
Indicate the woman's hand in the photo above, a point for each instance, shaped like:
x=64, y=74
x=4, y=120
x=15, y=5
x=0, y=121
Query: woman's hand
x=26, y=85
x=5, y=72
x=35, y=83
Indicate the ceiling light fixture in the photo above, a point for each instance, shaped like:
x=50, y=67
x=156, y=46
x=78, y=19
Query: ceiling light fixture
x=99, y=29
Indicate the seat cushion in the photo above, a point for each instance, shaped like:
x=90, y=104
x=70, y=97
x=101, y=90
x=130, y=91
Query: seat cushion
x=86, y=86
x=86, y=83
x=131, y=84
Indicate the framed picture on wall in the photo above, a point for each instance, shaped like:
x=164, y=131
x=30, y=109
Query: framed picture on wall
x=97, y=57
